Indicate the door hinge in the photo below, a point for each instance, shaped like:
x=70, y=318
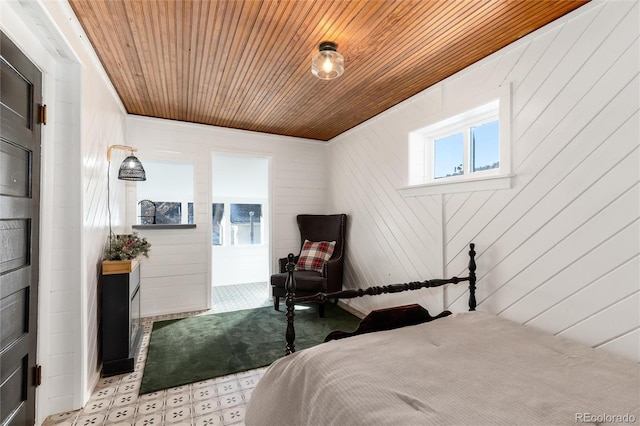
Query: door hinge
x=37, y=375
x=42, y=114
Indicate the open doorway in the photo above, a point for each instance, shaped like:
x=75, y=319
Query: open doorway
x=240, y=232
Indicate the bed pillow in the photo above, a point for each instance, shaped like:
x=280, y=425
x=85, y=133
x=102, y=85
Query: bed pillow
x=314, y=254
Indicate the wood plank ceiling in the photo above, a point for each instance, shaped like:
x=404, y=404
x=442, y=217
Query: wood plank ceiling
x=247, y=64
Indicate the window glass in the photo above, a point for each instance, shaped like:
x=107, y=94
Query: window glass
x=245, y=223
x=190, y=212
x=168, y=213
x=485, y=146
x=147, y=212
x=448, y=156
x=217, y=221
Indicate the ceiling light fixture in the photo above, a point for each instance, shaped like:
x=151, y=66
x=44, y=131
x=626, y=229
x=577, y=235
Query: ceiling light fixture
x=327, y=64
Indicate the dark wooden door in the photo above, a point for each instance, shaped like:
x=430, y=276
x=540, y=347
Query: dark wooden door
x=20, y=96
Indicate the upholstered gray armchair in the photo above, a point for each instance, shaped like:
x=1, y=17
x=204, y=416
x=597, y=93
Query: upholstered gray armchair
x=315, y=228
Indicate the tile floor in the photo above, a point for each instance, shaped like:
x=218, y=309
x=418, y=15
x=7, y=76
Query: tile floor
x=214, y=402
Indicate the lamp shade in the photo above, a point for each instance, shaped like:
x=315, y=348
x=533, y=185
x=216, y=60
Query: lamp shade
x=327, y=64
x=131, y=169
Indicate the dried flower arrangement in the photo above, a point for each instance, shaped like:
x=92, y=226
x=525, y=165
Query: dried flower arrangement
x=127, y=247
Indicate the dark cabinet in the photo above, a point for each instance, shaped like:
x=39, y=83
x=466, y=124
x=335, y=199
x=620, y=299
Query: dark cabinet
x=121, y=331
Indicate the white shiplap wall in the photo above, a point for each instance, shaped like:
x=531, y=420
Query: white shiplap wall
x=81, y=124
x=390, y=239
x=176, y=277
x=559, y=250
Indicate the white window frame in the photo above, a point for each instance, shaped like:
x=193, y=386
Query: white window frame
x=421, y=150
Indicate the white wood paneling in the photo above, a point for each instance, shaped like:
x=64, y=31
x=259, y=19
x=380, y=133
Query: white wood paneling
x=178, y=279
x=390, y=238
x=549, y=247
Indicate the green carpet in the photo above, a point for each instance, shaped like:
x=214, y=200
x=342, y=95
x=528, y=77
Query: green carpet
x=192, y=349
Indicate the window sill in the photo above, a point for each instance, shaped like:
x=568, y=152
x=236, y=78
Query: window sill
x=451, y=187
x=181, y=226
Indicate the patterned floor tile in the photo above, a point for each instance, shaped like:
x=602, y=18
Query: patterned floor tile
x=178, y=390
x=227, y=387
x=227, y=378
x=213, y=419
x=126, y=387
x=233, y=415
x=108, y=381
x=96, y=406
x=153, y=395
x=231, y=400
x=206, y=406
x=178, y=399
x=151, y=406
x=104, y=393
x=177, y=414
x=61, y=418
x=149, y=420
x=202, y=384
x=204, y=392
x=121, y=414
x=90, y=420
x=214, y=402
x=248, y=382
x=122, y=399
x=132, y=376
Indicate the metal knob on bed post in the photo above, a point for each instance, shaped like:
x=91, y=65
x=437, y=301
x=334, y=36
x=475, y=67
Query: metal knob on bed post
x=290, y=286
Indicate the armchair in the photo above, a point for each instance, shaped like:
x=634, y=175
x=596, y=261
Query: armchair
x=315, y=228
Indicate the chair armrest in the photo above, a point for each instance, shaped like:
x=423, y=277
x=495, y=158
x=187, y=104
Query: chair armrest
x=332, y=271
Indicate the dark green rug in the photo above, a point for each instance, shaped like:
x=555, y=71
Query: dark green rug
x=198, y=348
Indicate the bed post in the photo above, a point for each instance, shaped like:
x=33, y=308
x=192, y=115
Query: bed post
x=472, y=277
x=290, y=286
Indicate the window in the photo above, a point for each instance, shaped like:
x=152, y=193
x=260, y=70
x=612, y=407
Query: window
x=166, y=197
x=217, y=220
x=467, y=147
x=244, y=224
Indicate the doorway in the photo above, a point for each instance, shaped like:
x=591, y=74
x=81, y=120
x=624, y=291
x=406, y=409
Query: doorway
x=240, y=231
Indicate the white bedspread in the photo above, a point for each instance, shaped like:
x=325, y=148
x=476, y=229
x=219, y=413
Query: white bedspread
x=467, y=369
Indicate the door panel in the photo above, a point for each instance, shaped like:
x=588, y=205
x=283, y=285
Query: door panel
x=14, y=235
x=20, y=84
x=14, y=170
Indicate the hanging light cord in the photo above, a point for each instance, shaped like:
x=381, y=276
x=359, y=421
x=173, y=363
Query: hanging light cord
x=109, y=203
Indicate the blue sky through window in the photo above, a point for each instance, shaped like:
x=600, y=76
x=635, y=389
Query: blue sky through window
x=449, y=156
x=485, y=146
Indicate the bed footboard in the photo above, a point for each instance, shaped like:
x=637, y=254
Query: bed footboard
x=291, y=298
x=388, y=319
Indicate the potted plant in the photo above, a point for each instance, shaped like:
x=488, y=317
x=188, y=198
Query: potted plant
x=123, y=252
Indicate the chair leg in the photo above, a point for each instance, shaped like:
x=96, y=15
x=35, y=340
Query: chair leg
x=321, y=310
x=276, y=303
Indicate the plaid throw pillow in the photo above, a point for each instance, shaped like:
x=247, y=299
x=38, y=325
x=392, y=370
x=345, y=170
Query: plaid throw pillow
x=313, y=255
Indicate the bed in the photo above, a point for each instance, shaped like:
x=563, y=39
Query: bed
x=469, y=368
